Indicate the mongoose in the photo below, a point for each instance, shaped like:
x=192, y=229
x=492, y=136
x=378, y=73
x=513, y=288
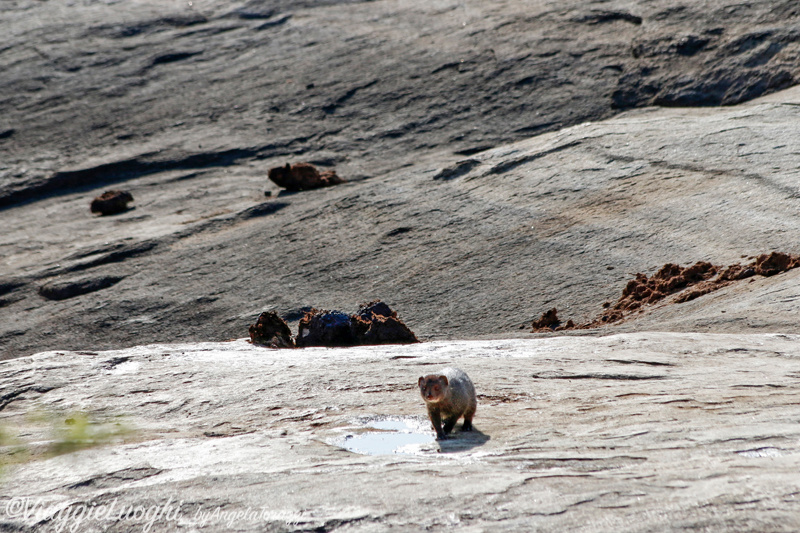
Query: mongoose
x=448, y=396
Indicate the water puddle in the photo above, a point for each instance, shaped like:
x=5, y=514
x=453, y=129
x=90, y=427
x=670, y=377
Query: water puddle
x=394, y=435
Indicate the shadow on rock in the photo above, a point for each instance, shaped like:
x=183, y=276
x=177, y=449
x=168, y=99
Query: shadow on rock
x=462, y=441
x=65, y=289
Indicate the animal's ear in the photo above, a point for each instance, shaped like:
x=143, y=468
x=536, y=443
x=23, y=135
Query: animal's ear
x=443, y=379
x=421, y=382
x=288, y=166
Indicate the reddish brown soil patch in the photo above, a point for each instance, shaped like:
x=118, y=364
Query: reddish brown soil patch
x=111, y=202
x=302, y=177
x=689, y=283
x=668, y=280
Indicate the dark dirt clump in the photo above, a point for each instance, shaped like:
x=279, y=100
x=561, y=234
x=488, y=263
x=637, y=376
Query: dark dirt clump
x=374, y=323
x=303, y=177
x=270, y=330
x=549, y=321
x=325, y=328
x=668, y=280
x=775, y=263
x=111, y=202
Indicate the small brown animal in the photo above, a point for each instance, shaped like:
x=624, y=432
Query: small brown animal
x=449, y=396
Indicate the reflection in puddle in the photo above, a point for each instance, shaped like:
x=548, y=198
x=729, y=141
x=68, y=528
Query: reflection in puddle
x=395, y=436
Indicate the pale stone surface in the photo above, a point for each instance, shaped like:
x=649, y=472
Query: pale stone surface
x=187, y=105
x=633, y=432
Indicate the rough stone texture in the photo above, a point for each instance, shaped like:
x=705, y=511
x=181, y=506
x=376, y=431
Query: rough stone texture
x=563, y=219
x=636, y=432
x=677, y=285
x=190, y=105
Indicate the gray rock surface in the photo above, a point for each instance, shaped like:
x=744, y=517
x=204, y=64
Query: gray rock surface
x=188, y=104
x=633, y=432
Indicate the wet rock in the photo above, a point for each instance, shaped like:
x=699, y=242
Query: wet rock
x=303, y=177
x=111, y=202
x=270, y=330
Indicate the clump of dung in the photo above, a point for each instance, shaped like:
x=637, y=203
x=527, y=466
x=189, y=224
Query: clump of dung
x=373, y=323
x=687, y=283
x=303, y=177
x=111, y=202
